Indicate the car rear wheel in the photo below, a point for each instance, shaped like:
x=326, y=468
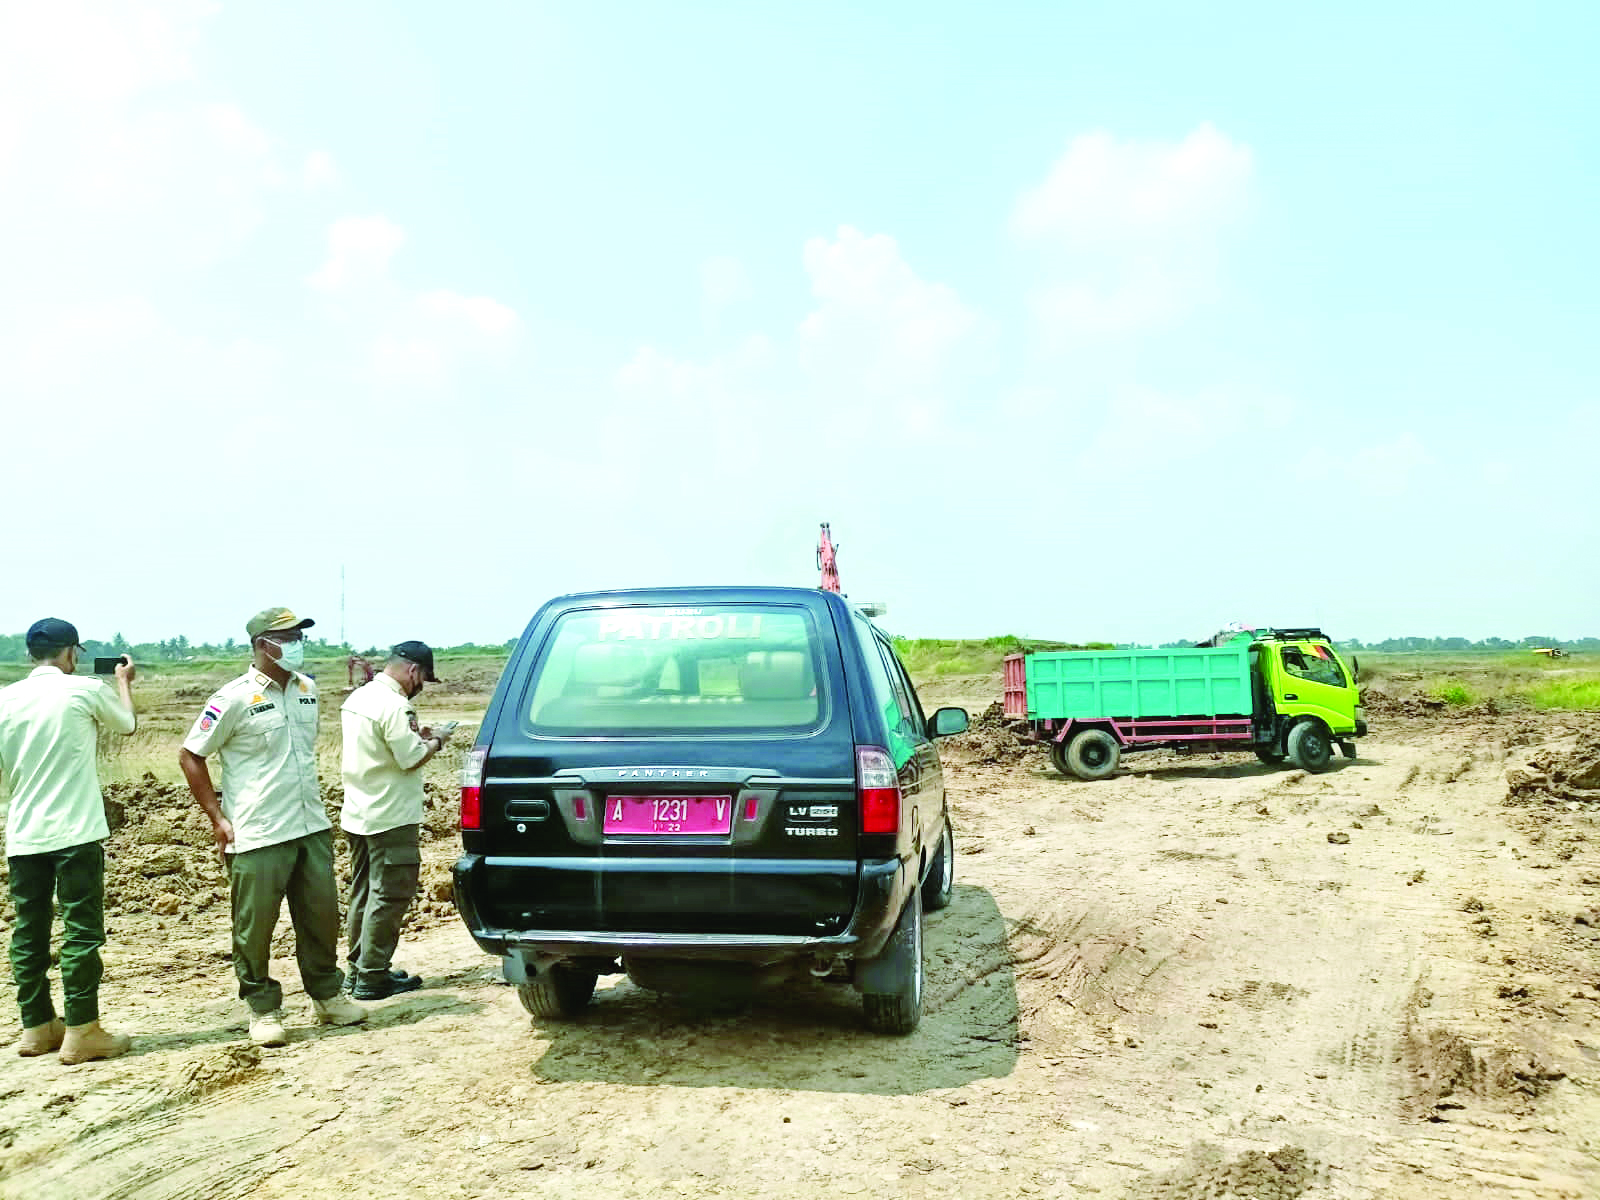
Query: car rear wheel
x=1093, y=754
x=891, y=991
x=559, y=992
x=939, y=887
x=1310, y=748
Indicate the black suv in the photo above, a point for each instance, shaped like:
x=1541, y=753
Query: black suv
x=706, y=788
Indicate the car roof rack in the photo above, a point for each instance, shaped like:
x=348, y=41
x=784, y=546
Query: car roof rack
x=1289, y=635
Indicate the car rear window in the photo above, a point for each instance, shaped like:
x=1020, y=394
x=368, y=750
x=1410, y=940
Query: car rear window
x=656, y=670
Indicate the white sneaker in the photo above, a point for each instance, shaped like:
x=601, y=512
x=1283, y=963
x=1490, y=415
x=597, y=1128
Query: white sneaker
x=339, y=1009
x=266, y=1029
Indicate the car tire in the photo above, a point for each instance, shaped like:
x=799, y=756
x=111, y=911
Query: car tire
x=1093, y=754
x=1273, y=758
x=939, y=888
x=1310, y=747
x=560, y=992
x=898, y=1009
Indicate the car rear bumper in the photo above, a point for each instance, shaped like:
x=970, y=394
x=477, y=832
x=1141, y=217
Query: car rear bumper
x=882, y=887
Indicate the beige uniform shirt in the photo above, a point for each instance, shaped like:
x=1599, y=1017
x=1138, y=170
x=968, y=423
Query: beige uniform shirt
x=267, y=739
x=382, y=753
x=48, y=727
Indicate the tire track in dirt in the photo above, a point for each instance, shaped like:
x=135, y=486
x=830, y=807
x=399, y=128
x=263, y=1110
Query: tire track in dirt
x=214, y=1131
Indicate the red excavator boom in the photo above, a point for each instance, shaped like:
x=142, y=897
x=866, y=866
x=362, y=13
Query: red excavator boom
x=828, y=561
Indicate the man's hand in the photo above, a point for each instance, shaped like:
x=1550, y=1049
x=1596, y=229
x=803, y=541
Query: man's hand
x=126, y=671
x=222, y=830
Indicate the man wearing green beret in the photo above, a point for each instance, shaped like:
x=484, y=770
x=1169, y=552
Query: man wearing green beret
x=270, y=824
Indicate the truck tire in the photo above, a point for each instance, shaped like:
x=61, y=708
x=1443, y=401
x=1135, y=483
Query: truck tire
x=1310, y=747
x=1093, y=754
x=1270, y=756
x=560, y=992
x=1058, y=756
x=940, y=886
x=891, y=993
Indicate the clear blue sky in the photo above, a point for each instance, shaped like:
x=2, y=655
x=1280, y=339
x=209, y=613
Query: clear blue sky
x=1118, y=324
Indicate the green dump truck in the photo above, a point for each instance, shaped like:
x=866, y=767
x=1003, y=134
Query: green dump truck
x=1284, y=693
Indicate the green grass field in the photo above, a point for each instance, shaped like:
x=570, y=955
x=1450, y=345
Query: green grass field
x=1508, y=678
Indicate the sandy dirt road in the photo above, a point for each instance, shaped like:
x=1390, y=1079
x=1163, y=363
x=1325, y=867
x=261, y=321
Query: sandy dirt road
x=1170, y=984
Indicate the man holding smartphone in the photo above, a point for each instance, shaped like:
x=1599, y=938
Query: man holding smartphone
x=55, y=828
x=384, y=752
x=270, y=824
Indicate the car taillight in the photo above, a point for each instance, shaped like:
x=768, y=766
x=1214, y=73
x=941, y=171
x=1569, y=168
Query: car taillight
x=877, y=790
x=471, y=785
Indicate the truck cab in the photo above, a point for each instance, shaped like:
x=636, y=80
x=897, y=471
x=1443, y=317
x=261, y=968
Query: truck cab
x=1305, y=684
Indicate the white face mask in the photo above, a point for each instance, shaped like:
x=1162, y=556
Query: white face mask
x=291, y=655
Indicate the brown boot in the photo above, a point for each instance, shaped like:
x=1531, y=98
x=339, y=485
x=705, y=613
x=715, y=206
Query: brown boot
x=42, y=1039
x=86, y=1042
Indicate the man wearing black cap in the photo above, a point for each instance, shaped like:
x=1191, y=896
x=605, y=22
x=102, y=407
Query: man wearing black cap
x=54, y=830
x=270, y=824
x=384, y=751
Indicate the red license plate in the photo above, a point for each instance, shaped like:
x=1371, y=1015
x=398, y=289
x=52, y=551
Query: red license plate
x=669, y=814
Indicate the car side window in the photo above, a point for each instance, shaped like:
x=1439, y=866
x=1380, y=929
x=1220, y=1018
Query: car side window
x=905, y=694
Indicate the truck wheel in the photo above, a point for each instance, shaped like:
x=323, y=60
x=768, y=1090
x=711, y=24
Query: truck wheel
x=1093, y=754
x=1269, y=756
x=1058, y=756
x=940, y=886
x=891, y=994
x=1310, y=748
x=559, y=992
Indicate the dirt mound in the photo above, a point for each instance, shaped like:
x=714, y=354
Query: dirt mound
x=1559, y=771
x=161, y=857
x=218, y=1069
x=1282, y=1174
x=990, y=738
x=1395, y=702
x=1447, y=1070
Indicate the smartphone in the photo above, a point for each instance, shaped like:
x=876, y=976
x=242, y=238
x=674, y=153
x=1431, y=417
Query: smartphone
x=107, y=666
x=446, y=729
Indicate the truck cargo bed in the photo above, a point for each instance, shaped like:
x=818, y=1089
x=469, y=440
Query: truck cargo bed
x=1130, y=684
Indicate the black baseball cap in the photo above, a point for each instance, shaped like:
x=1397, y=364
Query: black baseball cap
x=418, y=653
x=52, y=633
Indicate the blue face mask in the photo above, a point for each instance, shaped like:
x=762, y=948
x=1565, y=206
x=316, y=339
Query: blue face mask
x=291, y=655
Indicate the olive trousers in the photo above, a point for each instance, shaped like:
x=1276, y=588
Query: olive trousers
x=259, y=881
x=384, y=869
x=76, y=878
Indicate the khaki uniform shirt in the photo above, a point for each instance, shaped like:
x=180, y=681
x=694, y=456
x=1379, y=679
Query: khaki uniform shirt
x=48, y=727
x=382, y=751
x=267, y=739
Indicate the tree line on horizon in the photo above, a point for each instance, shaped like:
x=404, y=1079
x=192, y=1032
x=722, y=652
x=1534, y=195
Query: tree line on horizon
x=14, y=649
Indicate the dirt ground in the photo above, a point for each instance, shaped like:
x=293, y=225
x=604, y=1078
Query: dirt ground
x=1203, y=977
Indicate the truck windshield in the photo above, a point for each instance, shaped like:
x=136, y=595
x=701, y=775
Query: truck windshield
x=1315, y=663
x=705, y=670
